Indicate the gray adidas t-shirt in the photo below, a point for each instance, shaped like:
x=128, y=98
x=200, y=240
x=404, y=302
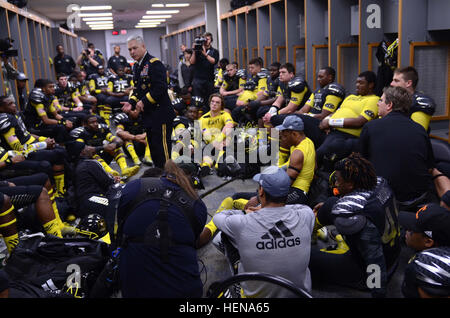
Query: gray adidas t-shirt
x=272, y=240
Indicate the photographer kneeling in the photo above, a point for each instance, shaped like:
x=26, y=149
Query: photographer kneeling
x=203, y=59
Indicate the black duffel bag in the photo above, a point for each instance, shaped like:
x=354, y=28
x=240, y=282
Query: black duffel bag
x=43, y=267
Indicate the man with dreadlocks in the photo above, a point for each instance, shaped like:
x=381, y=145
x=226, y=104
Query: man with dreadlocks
x=365, y=215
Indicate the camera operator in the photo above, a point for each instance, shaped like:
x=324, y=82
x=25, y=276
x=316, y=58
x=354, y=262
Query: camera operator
x=8, y=70
x=88, y=61
x=97, y=53
x=204, y=58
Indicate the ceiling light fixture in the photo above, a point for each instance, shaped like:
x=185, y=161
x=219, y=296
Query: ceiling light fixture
x=158, y=5
x=103, y=28
x=147, y=23
x=87, y=15
x=152, y=20
x=93, y=8
x=162, y=11
x=99, y=22
x=156, y=16
x=175, y=5
x=145, y=26
x=98, y=19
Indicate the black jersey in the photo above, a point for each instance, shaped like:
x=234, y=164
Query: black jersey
x=92, y=138
x=9, y=121
x=230, y=83
x=120, y=84
x=115, y=62
x=38, y=105
x=133, y=126
x=256, y=81
x=295, y=91
x=272, y=86
x=82, y=87
x=65, y=95
x=319, y=97
x=97, y=82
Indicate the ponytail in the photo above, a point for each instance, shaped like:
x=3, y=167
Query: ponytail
x=177, y=175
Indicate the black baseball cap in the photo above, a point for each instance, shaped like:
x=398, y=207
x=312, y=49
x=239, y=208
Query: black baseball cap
x=432, y=220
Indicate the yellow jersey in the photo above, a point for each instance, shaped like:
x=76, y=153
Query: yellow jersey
x=306, y=175
x=354, y=106
x=212, y=126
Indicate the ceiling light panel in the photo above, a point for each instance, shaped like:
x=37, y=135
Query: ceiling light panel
x=98, y=19
x=152, y=20
x=156, y=16
x=162, y=11
x=175, y=5
x=93, y=8
x=87, y=15
x=99, y=22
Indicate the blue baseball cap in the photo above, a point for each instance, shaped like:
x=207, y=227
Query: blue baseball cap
x=292, y=122
x=274, y=181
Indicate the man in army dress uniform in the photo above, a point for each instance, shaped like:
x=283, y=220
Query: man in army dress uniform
x=150, y=96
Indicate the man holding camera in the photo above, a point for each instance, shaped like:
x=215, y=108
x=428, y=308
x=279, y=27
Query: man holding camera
x=88, y=61
x=204, y=59
x=9, y=73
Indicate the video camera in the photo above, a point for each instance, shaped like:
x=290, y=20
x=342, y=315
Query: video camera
x=5, y=48
x=198, y=43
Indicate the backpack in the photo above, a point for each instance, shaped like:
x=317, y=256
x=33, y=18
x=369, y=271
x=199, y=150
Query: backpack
x=45, y=266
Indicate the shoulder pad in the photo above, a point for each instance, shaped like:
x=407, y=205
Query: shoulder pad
x=263, y=74
x=75, y=133
x=197, y=101
x=5, y=122
x=336, y=90
x=103, y=126
x=180, y=120
x=120, y=118
x=423, y=103
x=297, y=84
x=71, y=85
x=152, y=60
x=93, y=76
x=37, y=95
x=241, y=73
x=177, y=101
